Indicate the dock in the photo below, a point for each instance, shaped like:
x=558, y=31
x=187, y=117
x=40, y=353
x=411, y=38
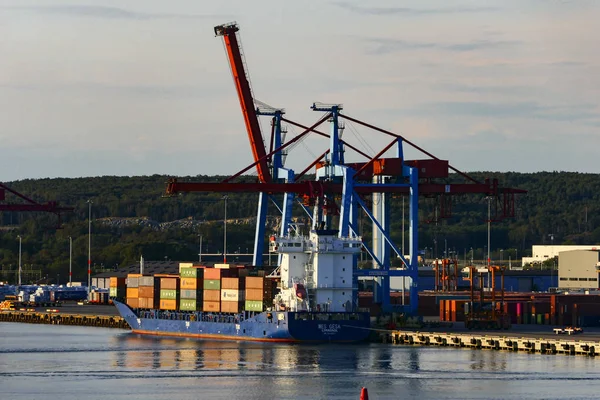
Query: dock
x=543, y=345
x=58, y=318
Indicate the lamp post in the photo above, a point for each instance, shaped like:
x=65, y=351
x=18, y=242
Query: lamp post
x=70, y=260
x=225, y=231
x=489, y=224
x=553, y=258
x=472, y=256
x=89, y=270
x=200, y=250
x=445, y=248
x=501, y=256
x=19, y=236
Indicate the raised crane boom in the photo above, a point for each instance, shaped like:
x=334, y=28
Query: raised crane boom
x=242, y=85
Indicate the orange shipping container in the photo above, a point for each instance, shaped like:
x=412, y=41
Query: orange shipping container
x=255, y=282
x=442, y=306
x=146, y=291
x=132, y=293
x=189, y=283
x=169, y=283
x=212, y=273
x=211, y=306
x=231, y=306
x=132, y=302
x=168, y=304
x=212, y=295
x=116, y=282
x=231, y=283
x=256, y=294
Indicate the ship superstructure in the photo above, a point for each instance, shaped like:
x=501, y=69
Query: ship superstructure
x=316, y=271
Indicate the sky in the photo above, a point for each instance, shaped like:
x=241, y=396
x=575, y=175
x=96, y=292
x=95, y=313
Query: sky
x=143, y=87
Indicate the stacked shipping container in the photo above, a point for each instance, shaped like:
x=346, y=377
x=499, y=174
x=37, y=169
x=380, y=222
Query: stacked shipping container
x=212, y=290
x=133, y=294
x=232, y=294
x=198, y=288
x=191, y=285
x=259, y=293
x=169, y=292
x=117, y=288
x=148, y=291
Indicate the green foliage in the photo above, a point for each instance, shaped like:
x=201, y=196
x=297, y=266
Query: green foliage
x=559, y=203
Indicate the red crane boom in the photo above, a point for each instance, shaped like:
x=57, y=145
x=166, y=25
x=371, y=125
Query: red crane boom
x=242, y=85
x=30, y=205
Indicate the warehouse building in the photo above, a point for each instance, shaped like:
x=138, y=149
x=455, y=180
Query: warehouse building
x=578, y=269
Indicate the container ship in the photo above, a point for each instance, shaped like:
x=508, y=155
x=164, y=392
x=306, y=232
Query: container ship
x=310, y=297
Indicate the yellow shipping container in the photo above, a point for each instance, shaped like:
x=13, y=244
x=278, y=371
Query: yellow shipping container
x=189, y=283
x=168, y=304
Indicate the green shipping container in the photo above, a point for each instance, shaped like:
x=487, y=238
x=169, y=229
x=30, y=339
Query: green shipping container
x=212, y=284
x=168, y=294
x=253, y=305
x=112, y=292
x=187, y=305
x=188, y=272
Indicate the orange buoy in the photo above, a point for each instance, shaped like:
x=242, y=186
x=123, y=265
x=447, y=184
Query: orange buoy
x=364, y=394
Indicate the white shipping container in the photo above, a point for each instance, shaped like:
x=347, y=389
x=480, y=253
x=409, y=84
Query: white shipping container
x=100, y=283
x=232, y=295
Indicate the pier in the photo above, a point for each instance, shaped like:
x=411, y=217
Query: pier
x=51, y=318
x=543, y=345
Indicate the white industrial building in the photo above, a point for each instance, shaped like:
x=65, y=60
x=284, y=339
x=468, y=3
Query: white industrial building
x=578, y=269
x=541, y=253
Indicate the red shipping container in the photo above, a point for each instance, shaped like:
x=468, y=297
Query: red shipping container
x=146, y=291
x=211, y=306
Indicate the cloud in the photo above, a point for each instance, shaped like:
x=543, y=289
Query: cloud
x=386, y=11
x=585, y=113
x=100, y=12
x=387, y=46
x=493, y=89
x=144, y=91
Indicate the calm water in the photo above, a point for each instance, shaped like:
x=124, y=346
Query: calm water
x=51, y=362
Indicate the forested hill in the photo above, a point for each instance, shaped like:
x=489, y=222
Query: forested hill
x=130, y=217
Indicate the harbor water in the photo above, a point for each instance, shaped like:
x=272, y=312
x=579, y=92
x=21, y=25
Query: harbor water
x=70, y=362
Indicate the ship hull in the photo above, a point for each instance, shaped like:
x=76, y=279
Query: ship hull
x=281, y=326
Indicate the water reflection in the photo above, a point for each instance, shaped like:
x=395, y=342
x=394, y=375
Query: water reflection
x=139, y=352
x=488, y=361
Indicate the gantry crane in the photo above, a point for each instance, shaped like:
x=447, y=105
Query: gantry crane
x=30, y=205
x=336, y=179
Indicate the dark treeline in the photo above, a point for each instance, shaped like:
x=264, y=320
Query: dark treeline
x=559, y=208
